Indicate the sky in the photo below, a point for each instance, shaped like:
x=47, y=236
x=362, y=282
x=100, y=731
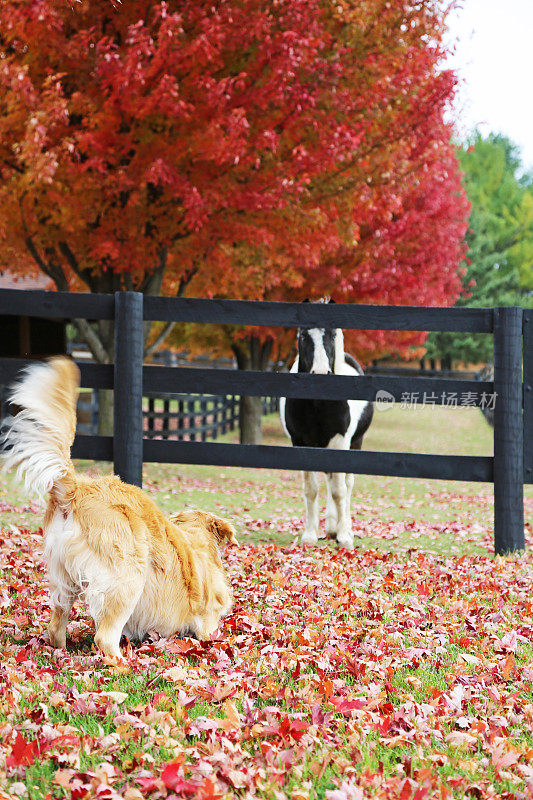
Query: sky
x=494, y=61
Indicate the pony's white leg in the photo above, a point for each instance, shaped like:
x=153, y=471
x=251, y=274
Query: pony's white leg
x=331, y=512
x=338, y=487
x=349, y=489
x=339, y=496
x=310, y=534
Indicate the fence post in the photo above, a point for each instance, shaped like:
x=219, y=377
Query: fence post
x=203, y=418
x=128, y=419
x=508, y=432
x=180, y=420
x=528, y=396
x=151, y=417
x=165, y=428
x=234, y=412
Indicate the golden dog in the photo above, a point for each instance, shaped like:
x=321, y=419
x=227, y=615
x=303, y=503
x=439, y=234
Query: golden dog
x=106, y=540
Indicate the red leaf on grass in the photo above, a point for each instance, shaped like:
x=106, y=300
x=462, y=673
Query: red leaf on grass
x=22, y=752
x=173, y=779
x=508, y=667
x=292, y=728
x=500, y=759
x=78, y=791
x=383, y=726
x=180, y=646
x=220, y=691
x=347, y=706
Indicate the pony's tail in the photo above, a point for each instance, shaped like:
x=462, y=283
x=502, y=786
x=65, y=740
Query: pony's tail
x=38, y=438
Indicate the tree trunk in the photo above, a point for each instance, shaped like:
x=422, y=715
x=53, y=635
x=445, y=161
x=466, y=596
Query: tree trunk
x=250, y=413
x=251, y=354
x=105, y=412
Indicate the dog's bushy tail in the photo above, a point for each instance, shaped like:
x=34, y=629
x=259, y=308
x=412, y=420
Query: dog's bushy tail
x=38, y=438
x=220, y=529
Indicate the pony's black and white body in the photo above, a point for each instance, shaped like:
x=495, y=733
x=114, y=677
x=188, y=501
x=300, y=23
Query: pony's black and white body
x=339, y=424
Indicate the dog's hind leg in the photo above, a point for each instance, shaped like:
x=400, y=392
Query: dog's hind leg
x=57, y=628
x=117, y=608
x=63, y=593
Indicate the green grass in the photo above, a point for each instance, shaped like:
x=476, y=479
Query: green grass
x=267, y=505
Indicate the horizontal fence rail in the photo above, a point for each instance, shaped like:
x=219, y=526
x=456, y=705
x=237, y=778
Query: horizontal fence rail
x=431, y=391
x=57, y=305
x=244, y=312
x=512, y=329
x=336, y=315
x=367, y=462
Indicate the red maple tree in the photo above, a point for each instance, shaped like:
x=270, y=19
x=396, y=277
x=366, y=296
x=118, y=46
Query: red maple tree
x=254, y=148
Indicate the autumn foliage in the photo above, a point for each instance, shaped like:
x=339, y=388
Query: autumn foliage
x=343, y=675
x=260, y=148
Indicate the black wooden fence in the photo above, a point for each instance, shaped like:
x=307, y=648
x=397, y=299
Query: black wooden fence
x=189, y=417
x=512, y=328
x=194, y=417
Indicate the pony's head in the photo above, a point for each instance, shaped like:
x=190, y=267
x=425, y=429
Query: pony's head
x=320, y=350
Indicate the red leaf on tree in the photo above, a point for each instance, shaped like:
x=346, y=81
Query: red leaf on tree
x=273, y=158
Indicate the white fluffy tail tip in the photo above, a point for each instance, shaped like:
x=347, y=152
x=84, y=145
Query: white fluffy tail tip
x=36, y=440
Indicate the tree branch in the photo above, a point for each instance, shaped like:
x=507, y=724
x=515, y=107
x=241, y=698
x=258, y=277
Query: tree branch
x=51, y=269
x=83, y=274
x=266, y=350
x=153, y=282
x=243, y=358
x=158, y=341
x=14, y=166
x=93, y=341
x=187, y=278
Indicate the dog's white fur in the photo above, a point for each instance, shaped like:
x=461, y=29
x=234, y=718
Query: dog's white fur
x=107, y=541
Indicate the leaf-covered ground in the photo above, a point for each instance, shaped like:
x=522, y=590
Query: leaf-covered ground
x=357, y=675
x=401, y=670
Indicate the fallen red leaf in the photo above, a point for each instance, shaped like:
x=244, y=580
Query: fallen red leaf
x=22, y=752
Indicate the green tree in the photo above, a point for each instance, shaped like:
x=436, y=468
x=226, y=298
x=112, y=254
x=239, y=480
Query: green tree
x=498, y=268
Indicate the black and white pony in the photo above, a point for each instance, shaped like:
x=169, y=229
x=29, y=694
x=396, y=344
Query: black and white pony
x=339, y=424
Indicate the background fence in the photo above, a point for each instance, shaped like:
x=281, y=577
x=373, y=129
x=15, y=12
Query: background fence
x=188, y=417
x=512, y=328
x=194, y=417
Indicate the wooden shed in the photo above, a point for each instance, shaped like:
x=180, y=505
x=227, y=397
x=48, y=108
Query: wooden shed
x=30, y=337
